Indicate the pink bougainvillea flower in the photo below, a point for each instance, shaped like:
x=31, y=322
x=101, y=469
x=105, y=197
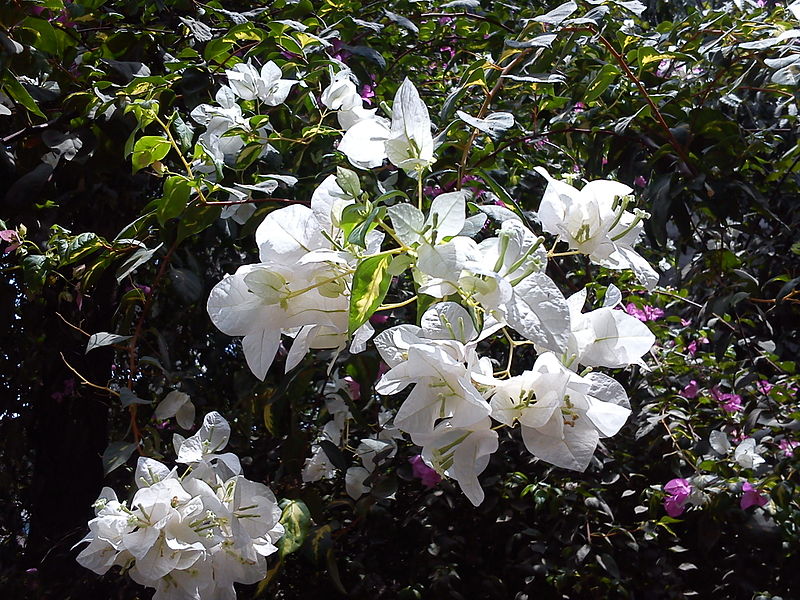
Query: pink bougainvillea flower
x=693, y=345
x=686, y=322
x=764, y=386
x=640, y=181
x=423, y=472
x=690, y=390
x=644, y=314
x=730, y=403
x=678, y=492
x=353, y=388
x=787, y=447
x=752, y=497
x=378, y=319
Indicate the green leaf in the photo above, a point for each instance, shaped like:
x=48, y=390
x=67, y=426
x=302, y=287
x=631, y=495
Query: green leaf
x=600, y=84
x=185, y=132
x=81, y=246
x=20, y=94
x=334, y=455
x=348, y=181
x=196, y=219
x=296, y=521
x=370, y=284
x=137, y=259
x=359, y=234
x=149, y=149
x=176, y=195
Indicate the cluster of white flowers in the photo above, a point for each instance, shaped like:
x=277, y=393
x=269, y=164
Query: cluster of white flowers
x=302, y=288
x=192, y=535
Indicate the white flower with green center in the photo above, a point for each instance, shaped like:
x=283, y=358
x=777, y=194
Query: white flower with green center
x=595, y=221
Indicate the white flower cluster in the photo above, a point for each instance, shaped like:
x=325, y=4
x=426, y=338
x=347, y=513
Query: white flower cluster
x=189, y=536
x=303, y=288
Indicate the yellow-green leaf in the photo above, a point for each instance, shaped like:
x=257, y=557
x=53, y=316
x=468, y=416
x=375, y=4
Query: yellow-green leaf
x=370, y=284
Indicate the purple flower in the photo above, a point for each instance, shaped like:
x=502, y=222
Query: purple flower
x=644, y=314
x=378, y=319
x=731, y=403
x=353, y=388
x=751, y=497
x=640, y=181
x=423, y=472
x=690, y=390
x=686, y=322
x=764, y=386
x=678, y=492
x=579, y=107
x=787, y=447
x=692, y=347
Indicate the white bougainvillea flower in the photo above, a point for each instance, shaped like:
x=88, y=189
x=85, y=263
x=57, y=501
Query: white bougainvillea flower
x=150, y=471
x=364, y=143
x=595, y=222
x=605, y=337
x=442, y=389
x=218, y=120
x=410, y=142
x=747, y=454
x=562, y=415
x=407, y=141
x=461, y=453
x=267, y=85
x=342, y=96
x=203, y=448
x=189, y=537
x=176, y=404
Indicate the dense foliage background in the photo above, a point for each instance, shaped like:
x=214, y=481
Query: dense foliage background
x=692, y=103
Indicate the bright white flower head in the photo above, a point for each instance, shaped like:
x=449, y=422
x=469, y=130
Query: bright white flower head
x=267, y=85
x=594, y=221
x=562, y=415
x=407, y=141
x=188, y=537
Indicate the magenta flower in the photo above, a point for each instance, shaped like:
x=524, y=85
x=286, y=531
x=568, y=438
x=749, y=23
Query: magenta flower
x=690, y=390
x=752, y=497
x=678, y=492
x=644, y=314
x=686, y=322
x=640, y=181
x=353, y=388
x=730, y=403
x=10, y=236
x=764, y=386
x=378, y=319
x=423, y=472
x=787, y=447
x=692, y=347
x=579, y=107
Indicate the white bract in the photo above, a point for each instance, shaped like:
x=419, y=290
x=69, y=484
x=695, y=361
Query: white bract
x=266, y=85
x=407, y=141
x=176, y=404
x=562, y=415
x=300, y=289
x=312, y=285
x=595, y=222
x=188, y=537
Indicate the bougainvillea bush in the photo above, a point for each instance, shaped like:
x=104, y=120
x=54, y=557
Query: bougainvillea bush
x=399, y=300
